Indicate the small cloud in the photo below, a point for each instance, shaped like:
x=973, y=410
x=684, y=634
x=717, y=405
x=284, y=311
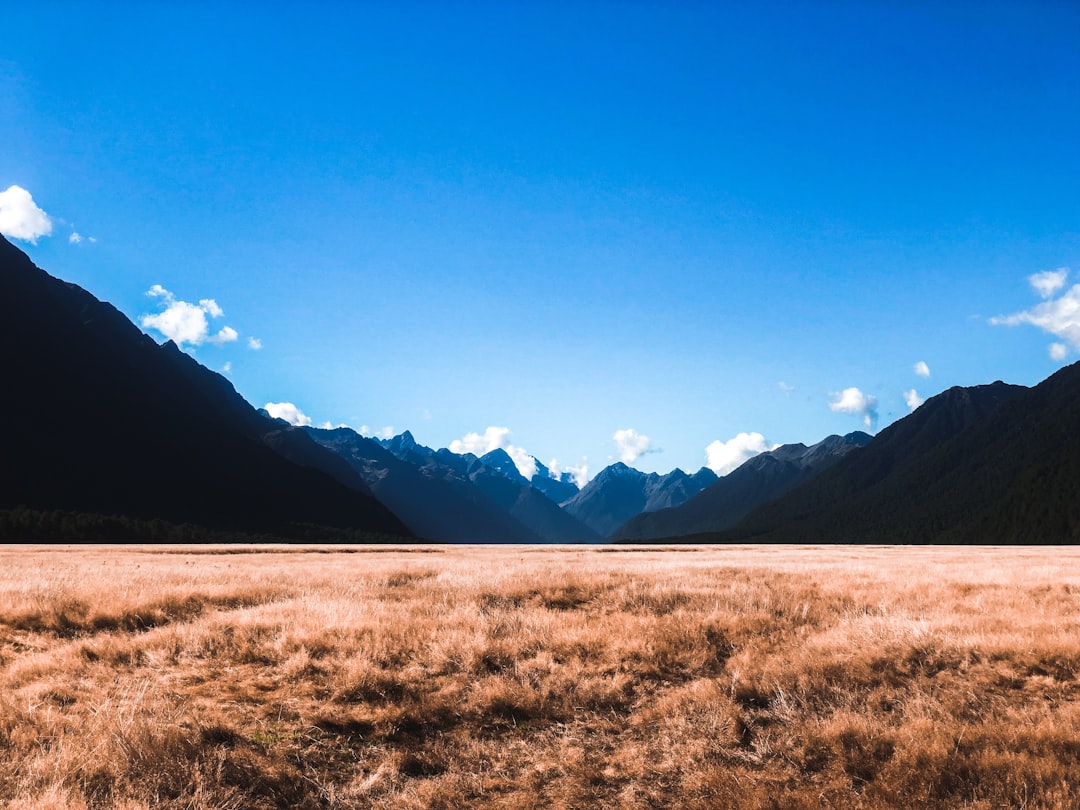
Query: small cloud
x=632, y=445
x=375, y=433
x=211, y=308
x=254, y=343
x=787, y=389
x=1048, y=282
x=578, y=472
x=854, y=402
x=226, y=335
x=913, y=399
x=1058, y=352
x=227, y=367
x=183, y=322
x=724, y=457
x=328, y=425
x=922, y=369
x=495, y=438
x=20, y=218
x=289, y=412
x=74, y=239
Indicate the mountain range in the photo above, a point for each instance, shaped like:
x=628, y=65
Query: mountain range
x=725, y=502
x=108, y=435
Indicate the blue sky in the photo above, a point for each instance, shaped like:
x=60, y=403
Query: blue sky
x=615, y=230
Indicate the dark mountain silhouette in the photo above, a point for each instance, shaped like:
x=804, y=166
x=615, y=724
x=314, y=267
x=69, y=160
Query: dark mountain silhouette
x=989, y=464
x=97, y=418
x=444, y=509
x=518, y=498
x=723, y=503
x=619, y=492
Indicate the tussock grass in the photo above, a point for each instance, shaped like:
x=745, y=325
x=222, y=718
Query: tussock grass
x=514, y=677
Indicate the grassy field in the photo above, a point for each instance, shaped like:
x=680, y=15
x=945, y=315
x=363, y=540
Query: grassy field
x=772, y=677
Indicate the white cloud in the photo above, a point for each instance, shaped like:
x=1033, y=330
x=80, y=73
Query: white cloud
x=226, y=335
x=74, y=239
x=183, y=322
x=1059, y=317
x=20, y=218
x=787, y=389
x=913, y=399
x=922, y=369
x=376, y=433
x=854, y=402
x=579, y=472
x=289, y=412
x=254, y=343
x=1058, y=352
x=1048, y=282
x=227, y=367
x=210, y=307
x=723, y=457
x=632, y=445
x=495, y=438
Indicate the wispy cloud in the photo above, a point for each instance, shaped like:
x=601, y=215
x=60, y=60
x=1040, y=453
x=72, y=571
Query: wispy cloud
x=254, y=343
x=632, y=445
x=1059, y=316
x=20, y=217
x=579, y=472
x=854, y=402
x=921, y=369
x=1049, y=281
x=787, y=389
x=386, y=432
x=912, y=399
x=495, y=438
x=183, y=322
x=289, y=412
x=724, y=457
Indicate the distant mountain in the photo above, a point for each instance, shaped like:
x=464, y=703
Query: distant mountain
x=989, y=464
x=723, y=503
x=443, y=509
x=99, y=419
x=557, y=489
x=619, y=492
x=514, y=495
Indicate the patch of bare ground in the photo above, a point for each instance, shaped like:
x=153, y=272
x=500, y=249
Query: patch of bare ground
x=514, y=677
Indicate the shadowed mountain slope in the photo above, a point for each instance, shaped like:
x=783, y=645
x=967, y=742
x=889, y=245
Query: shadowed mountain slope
x=557, y=489
x=514, y=495
x=762, y=478
x=440, y=509
x=989, y=464
x=98, y=418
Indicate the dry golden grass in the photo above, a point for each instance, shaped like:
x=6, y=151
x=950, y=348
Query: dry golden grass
x=519, y=677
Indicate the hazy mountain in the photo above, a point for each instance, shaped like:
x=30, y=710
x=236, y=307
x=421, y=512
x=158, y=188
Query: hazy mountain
x=556, y=489
x=989, y=464
x=98, y=418
x=514, y=495
x=762, y=478
x=444, y=509
x=619, y=492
